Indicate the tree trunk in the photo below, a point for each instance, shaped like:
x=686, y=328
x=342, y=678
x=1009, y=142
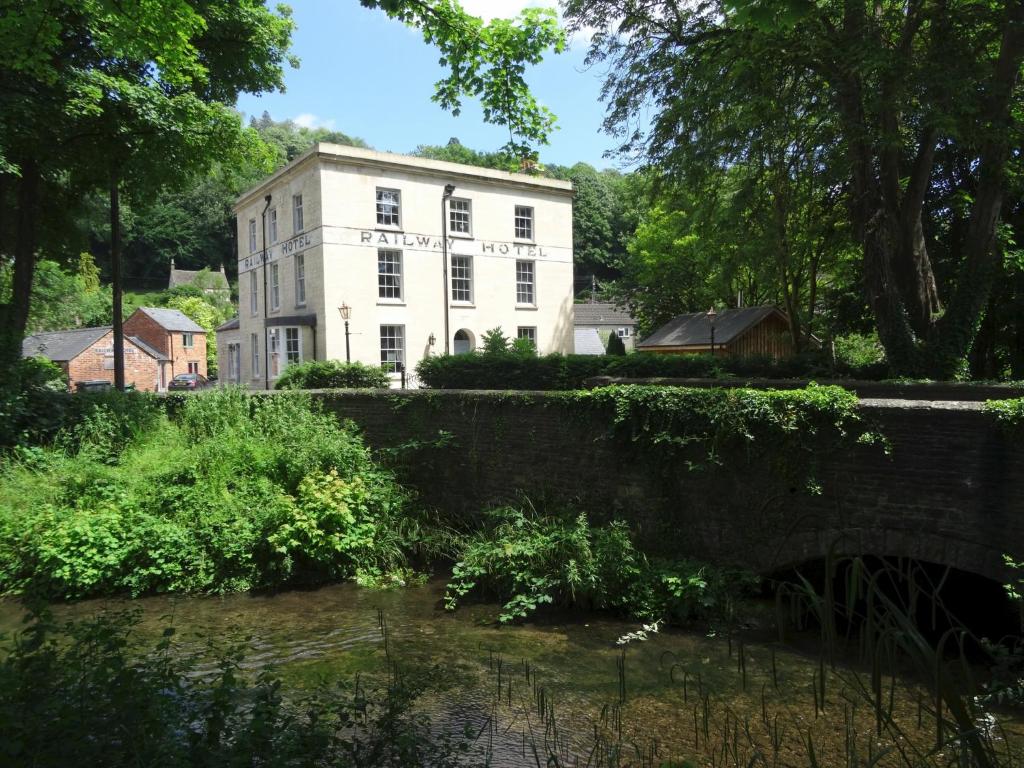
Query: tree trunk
x=24, y=264
x=115, y=279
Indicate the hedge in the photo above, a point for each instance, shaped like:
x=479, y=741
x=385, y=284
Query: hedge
x=512, y=370
x=332, y=374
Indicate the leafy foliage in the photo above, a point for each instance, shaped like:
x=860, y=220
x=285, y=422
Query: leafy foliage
x=235, y=493
x=528, y=560
x=615, y=345
x=331, y=374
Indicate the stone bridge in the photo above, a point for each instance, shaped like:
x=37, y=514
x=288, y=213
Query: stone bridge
x=951, y=491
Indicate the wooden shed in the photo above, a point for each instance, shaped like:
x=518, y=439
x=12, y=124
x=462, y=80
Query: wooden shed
x=762, y=331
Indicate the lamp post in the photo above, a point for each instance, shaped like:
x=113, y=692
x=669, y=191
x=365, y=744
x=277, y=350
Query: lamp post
x=448, y=189
x=346, y=312
x=711, y=321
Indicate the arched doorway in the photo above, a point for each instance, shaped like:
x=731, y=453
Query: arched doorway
x=464, y=342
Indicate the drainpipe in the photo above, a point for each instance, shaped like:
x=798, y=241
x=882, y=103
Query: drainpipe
x=266, y=341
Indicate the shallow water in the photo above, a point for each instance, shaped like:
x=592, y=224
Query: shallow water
x=566, y=677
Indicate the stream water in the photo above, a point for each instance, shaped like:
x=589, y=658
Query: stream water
x=562, y=685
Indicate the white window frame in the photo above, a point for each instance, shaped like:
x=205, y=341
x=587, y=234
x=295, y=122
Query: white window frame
x=252, y=235
x=522, y=299
x=254, y=296
x=272, y=215
x=467, y=278
x=300, y=280
x=392, y=347
x=274, y=366
x=188, y=340
x=254, y=358
x=234, y=362
x=384, y=214
x=527, y=332
x=522, y=223
x=622, y=333
x=460, y=219
x=297, y=214
x=275, y=287
x=292, y=333
x=390, y=282
x=193, y=367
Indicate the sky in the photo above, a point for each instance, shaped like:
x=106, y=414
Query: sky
x=371, y=77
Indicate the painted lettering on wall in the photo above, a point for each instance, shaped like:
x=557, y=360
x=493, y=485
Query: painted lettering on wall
x=402, y=240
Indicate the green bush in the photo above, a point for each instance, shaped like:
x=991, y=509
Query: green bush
x=508, y=370
x=82, y=694
x=615, y=345
x=529, y=560
x=332, y=374
x=234, y=493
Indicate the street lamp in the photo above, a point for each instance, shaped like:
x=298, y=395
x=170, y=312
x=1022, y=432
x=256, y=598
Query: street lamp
x=346, y=313
x=448, y=190
x=711, y=314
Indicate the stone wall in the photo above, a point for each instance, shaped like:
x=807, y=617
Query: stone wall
x=951, y=491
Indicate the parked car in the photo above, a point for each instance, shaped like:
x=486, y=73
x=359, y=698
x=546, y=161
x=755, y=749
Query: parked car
x=188, y=381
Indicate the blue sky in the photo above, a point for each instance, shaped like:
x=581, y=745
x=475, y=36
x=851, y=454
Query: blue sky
x=371, y=77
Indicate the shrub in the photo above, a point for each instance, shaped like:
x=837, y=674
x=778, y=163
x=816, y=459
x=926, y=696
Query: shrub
x=236, y=492
x=332, y=374
x=528, y=560
x=615, y=345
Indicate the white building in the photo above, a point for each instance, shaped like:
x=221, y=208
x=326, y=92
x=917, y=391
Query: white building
x=363, y=229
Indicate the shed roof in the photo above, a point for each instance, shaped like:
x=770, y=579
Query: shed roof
x=152, y=352
x=229, y=325
x=694, y=330
x=587, y=341
x=600, y=314
x=61, y=346
x=172, y=319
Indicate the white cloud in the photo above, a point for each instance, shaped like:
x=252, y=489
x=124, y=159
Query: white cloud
x=309, y=120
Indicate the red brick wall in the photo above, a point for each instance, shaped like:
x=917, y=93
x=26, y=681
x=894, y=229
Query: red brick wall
x=170, y=343
x=139, y=368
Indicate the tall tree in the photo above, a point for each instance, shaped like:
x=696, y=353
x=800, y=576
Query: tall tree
x=895, y=82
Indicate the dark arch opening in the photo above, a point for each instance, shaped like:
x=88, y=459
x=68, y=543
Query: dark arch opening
x=464, y=342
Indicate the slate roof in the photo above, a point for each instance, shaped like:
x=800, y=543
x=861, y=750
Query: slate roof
x=587, y=341
x=600, y=314
x=173, y=319
x=61, y=346
x=693, y=329
x=64, y=346
x=219, y=281
x=229, y=325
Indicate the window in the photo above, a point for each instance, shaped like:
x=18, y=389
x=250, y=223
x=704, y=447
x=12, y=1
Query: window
x=234, y=360
x=392, y=348
x=389, y=274
x=524, y=222
x=273, y=225
x=275, y=287
x=524, y=282
x=292, y=346
x=622, y=333
x=528, y=332
x=193, y=367
x=462, y=278
x=300, y=280
x=388, y=201
x=459, y=216
x=254, y=339
x=252, y=235
x=274, y=352
x=187, y=341
x=254, y=302
x=296, y=214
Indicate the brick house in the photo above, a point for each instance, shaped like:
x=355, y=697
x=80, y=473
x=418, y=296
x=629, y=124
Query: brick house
x=87, y=354
x=172, y=333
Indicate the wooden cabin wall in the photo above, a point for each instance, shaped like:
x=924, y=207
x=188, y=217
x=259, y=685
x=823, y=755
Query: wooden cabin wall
x=769, y=338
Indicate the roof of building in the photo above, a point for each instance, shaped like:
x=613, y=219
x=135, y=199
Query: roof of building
x=600, y=314
x=407, y=164
x=172, y=319
x=587, y=341
x=230, y=325
x=61, y=346
x=64, y=346
x=218, y=280
x=694, y=330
